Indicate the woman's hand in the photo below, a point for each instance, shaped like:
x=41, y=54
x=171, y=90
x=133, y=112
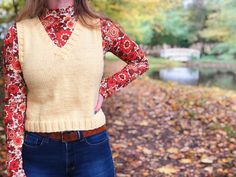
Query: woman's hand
x=99, y=103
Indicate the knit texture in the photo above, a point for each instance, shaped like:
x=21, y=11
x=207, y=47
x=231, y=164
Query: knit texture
x=62, y=83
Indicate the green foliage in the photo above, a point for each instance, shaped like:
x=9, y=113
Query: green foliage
x=204, y=21
x=221, y=28
x=173, y=28
x=136, y=17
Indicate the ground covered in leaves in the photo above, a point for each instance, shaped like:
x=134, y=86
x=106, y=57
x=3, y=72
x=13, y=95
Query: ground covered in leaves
x=159, y=129
x=165, y=129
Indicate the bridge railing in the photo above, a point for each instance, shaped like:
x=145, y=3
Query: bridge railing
x=180, y=54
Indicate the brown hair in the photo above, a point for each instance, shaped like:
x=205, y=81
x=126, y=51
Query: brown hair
x=34, y=8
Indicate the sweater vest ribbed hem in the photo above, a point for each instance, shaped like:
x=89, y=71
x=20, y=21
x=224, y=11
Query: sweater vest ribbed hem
x=66, y=122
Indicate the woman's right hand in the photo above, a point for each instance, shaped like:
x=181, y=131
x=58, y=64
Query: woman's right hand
x=99, y=103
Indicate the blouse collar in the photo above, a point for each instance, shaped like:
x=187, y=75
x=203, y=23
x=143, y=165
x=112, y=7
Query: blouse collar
x=63, y=11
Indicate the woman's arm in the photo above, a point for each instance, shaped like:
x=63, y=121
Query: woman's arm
x=118, y=42
x=14, y=104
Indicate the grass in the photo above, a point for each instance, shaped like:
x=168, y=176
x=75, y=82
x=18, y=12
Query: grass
x=229, y=130
x=154, y=62
x=212, y=59
x=159, y=63
x=226, y=127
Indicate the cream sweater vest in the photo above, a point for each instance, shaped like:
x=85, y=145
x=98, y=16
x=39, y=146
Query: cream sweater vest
x=62, y=83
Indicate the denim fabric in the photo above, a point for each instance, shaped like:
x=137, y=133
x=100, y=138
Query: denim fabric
x=87, y=157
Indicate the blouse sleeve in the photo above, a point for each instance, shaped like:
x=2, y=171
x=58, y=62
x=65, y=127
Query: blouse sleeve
x=14, y=104
x=115, y=40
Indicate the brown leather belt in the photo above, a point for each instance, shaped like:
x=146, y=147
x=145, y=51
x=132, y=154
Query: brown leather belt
x=73, y=135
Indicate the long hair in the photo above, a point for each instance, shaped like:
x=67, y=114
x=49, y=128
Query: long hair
x=33, y=8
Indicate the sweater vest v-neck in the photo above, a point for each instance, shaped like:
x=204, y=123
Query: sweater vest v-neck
x=62, y=83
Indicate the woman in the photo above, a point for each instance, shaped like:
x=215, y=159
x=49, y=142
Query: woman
x=53, y=67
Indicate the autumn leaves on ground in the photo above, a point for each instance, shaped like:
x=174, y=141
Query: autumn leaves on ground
x=165, y=129
x=159, y=129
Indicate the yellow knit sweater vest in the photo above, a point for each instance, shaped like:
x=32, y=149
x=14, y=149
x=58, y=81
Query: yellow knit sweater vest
x=62, y=83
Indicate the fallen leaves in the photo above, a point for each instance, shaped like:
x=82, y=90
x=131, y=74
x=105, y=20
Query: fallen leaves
x=168, y=169
x=207, y=159
x=185, y=161
x=169, y=129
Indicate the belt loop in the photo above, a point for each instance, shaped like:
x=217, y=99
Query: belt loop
x=80, y=134
x=62, y=133
x=46, y=139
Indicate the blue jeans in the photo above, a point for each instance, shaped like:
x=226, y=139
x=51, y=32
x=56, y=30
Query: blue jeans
x=86, y=157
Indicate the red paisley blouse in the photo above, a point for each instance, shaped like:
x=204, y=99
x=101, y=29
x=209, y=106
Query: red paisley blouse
x=59, y=25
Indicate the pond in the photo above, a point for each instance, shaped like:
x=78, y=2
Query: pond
x=222, y=78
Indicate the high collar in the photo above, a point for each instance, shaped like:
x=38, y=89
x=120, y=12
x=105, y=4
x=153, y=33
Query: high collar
x=63, y=11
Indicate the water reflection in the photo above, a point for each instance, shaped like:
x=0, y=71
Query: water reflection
x=180, y=75
x=207, y=76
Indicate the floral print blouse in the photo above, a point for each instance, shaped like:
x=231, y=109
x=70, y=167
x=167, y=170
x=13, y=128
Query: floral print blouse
x=59, y=25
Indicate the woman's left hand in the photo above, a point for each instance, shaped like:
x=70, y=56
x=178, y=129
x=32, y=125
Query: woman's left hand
x=99, y=103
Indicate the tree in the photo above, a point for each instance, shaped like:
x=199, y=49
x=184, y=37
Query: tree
x=221, y=28
x=136, y=17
